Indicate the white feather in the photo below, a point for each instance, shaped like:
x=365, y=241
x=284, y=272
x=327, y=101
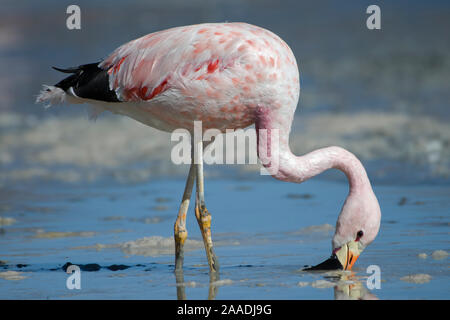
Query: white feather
x=51, y=95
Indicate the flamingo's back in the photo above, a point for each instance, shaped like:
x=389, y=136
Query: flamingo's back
x=216, y=73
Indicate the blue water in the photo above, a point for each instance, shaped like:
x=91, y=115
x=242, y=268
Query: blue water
x=257, y=228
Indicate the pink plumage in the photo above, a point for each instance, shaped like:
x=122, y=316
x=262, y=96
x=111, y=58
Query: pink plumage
x=217, y=73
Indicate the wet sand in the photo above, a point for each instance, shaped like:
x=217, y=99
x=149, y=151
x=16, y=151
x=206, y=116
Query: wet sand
x=264, y=236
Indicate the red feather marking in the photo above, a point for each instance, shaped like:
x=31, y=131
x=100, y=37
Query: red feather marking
x=143, y=92
x=213, y=65
x=117, y=66
x=159, y=89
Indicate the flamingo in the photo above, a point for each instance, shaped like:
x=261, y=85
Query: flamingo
x=228, y=76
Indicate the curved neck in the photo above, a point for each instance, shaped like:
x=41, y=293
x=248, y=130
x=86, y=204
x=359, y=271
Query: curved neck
x=275, y=154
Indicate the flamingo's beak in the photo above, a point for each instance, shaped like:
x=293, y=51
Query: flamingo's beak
x=348, y=254
x=342, y=259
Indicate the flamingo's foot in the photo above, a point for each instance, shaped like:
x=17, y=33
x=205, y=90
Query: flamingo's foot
x=204, y=221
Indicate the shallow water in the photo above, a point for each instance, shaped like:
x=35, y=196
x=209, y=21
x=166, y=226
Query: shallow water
x=265, y=231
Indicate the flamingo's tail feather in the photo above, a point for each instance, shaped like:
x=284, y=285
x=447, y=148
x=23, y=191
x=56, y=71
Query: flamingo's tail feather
x=84, y=82
x=87, y=81
x=68, y=70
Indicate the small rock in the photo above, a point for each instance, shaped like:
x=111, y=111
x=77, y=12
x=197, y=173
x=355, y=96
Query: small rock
x=83, y=267
x=417, y=278
x=402, y=201
x=439, y=254
x=299, y=196
x=12, y=275
x=5, y=221
x=116, y=267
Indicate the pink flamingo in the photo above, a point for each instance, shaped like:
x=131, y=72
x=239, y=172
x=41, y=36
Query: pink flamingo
x=227, y=75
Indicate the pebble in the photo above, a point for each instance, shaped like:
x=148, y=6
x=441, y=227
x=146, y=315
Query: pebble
x=12, y=275
x=439, y=254
x=417, y=278
x=302, y=283
x=6, y=221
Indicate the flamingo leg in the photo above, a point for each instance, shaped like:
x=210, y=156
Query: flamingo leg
x=181, y=286
x=201, y=213
x=180, y=231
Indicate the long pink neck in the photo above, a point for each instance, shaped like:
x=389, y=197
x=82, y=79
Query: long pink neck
x=282, y=164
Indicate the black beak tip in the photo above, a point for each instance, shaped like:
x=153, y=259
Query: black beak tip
x=332, y=263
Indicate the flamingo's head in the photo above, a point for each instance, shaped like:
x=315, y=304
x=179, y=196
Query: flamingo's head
x=356, y=227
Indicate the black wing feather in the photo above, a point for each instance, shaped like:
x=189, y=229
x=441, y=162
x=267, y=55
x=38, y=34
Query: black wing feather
x=88, y=81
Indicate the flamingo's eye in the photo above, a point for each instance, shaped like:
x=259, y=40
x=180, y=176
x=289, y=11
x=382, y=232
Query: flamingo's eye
x=359, y=235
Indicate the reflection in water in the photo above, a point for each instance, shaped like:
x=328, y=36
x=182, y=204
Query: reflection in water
x=349, y=287
x=181, y=292
x=181, y=285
